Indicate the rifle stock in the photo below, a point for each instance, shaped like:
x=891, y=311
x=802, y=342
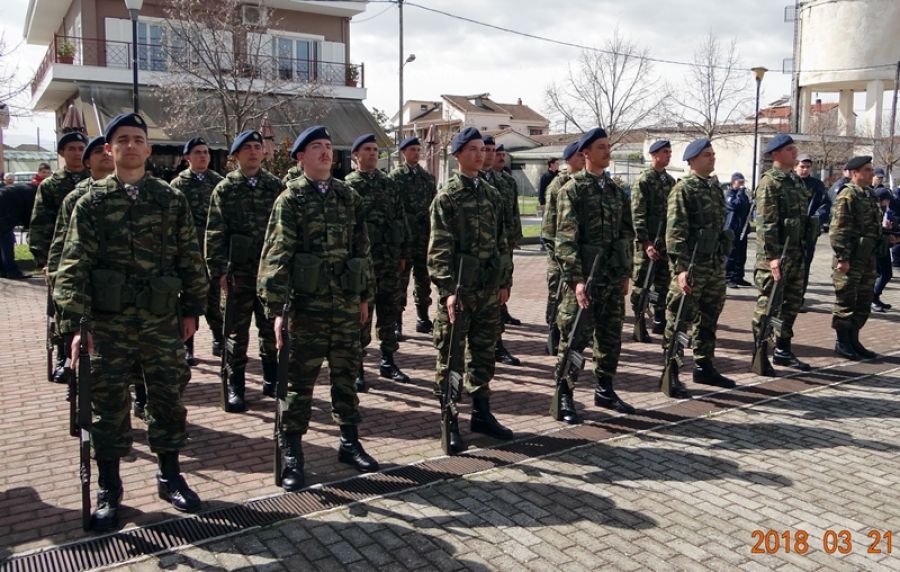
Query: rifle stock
x=451, y=384
x=680, y=340
x=49, y=340
x=227, y=343
x=84, y=424
x=646, y=297
x=284, y=356
x=768, y=323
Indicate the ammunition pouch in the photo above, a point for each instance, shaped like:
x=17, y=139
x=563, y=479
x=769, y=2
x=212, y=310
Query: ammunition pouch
x=164, y=291
x=726, y=241
x=353, y=279
x=307, y=274
x=707, y=242
x=240, y=250
x=106, y=290
x=865, y=247
x=111, y=294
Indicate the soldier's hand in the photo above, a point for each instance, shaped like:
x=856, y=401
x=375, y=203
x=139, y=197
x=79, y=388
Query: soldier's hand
x=843, y=266
x=652, y=253
x=775, y=267
x=75, y=348
x=279, y=320
x=625, y=285
x=683, y=283
x=402, y=264
x=504, y=296
x=46, y=274
x=581, y=295
x=223, y=284
x=363, y=312
x=188, y=327
x=451, y=307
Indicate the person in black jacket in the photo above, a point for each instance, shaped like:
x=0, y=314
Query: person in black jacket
x=16, y=202
x=546, y=179
x=819, y=205
x=737, y=204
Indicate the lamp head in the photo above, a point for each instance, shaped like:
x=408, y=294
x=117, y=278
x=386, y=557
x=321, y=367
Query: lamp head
x=760, y=72
x=410, y=58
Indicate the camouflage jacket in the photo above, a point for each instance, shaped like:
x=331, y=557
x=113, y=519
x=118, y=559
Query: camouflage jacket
x=50, y=195
x=151, y=236
x=237, y=208
x=382, y=209
x=648, y=204
x=293, y=173
x=781, y=202
x=417, y=189
x=593, y=214
x=855, y=216
x=198, y=190
x=509, y=191
x=62, y=223
x=329, y=226
x=548, y=229
x=695, y=203
x=467, y=218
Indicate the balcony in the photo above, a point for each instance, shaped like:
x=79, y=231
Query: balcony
x=71, y=60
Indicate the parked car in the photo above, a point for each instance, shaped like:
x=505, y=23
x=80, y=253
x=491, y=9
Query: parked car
x=24, y=176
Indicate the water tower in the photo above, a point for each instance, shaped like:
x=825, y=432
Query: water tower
x=845, y=47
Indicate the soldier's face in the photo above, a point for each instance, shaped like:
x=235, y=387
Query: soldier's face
x=412, y=154
x=499, y=160
x=661, y=158
x=576, y=163
x=877, y=180
x=489, y=156
x=864, y=175
x=316, y=159
x=367, y=156
x=198, y=158
x=803, y=169
x=786, y=156
x=471, y=157
x=129, y=147
x=250, y=155
x=100, y=162
x=597, y=154
x=71, y=154
x=705, y=162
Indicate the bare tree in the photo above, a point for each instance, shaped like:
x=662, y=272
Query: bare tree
x=714, y=92
x=10, y=88
x=228, y=76
x=611, y=87
x=827, y=147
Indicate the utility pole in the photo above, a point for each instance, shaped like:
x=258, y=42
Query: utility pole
x=400, y=62
x=891, y=147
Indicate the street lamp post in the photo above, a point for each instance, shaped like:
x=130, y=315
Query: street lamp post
x=760, y=72
x=399, y=136
x=134, y=8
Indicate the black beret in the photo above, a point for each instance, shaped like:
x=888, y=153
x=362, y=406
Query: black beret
x=460, y=139
x=489, y=140
x=779, y=141
x=74, y=137
x=409, y=141
x=124, y=120
x=362, y=140
x=661, y=144
x=309, y=135
x=696, y=147
x=857, y=163
x=590, y=137
x=244, y=138
x=500, y=148
x=193, y=143
x=98, y=141
x=570, y=150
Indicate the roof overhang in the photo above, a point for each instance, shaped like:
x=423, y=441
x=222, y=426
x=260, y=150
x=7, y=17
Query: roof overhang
x=42, y=19
x=345, y=9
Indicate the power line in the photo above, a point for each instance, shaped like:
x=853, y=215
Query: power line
x=390, y=5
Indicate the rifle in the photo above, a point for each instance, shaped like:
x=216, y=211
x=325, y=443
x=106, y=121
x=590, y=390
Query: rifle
x=451, y=383
x=50, y=313
x=553, y=331
x=227, y=343
x=640, y=312
x=680, y=340
x=572, y=361
x=284, y=356
x=84, y=423
x=768, y=323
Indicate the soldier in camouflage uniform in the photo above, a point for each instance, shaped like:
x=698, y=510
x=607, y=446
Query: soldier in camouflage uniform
x=856, y=238
x=417, y=188
x=467, y=225
x=781, y=215
x=238, y=213
x=696, y=216
x=293, y=173
x=131, y=263
x=515, y=234
x=501, y=354
x=382, y=209
x=593, y=217
x=197, y=183
x=317, y=246
x=648, y=211
x=49, y=197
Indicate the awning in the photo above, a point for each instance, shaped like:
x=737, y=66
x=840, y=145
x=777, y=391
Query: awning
x=346, y=119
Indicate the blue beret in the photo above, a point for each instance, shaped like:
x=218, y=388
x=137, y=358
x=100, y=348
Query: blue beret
x=123, y=120
x=409, y=141
x=884, y=194
x=244, y=138
x=857, y=163
x=309, y=135
x=489, y=140
x=362, y=140
x=460, y=139
x=193, y=143
x=737, y=177
x=779, y=141
x=590, y=137
x=696, y=147
x=570, y=150
x=661, y=144
x=500, y=148
x=98, y=141
x=74, y=137
x=879, y=172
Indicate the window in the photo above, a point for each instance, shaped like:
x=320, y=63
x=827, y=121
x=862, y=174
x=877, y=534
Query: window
x=151, y=52
x=533, y=131
x=295, y=58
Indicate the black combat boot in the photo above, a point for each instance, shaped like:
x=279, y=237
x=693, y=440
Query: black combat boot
x=62, y=370
x=605, y=396
x=389, y=370
x=398, y=328
x=234, y=402
x=784, y=356
x=502, y=355
x=507, y=317
x=457, y=445
x=361, y=386
x=659, y=321
x=423, y=324
x=217, y=344
x=270, y=377
x=106, y=517
x=172, y=486
x=292, y=478
x=140, y=399
x=844, y=345
x=351, y=451
x=567, y=412
x=189, y=352
x=552, y=341
x=483, y=421
x=707, y=374
x=857, y=345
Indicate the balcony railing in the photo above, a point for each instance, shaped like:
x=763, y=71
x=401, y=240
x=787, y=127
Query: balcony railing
x=161, y=58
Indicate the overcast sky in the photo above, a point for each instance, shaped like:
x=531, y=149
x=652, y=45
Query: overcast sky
x=457, y=57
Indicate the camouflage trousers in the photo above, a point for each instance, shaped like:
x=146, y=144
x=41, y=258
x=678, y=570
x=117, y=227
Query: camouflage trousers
x=387, y=278
x=853, y=292
x=701, y=309
x=213, y=312
x=246, y=305
x=479, y=325
x=125, y=344
x=324, y=328
x=554, y=292
x=602, y=325
x=418, y=267
x=792, y=274
x=661, y=276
